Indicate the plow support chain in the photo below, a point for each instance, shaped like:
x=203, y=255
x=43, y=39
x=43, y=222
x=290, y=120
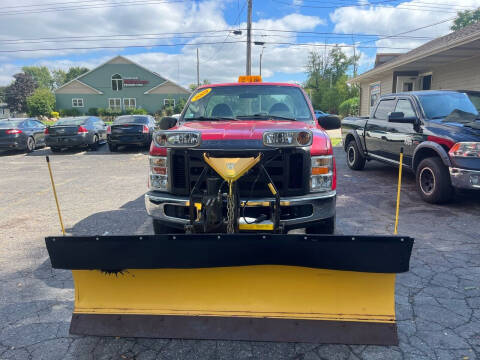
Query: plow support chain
x=265, y=287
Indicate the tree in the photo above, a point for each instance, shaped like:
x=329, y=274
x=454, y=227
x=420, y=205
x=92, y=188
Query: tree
x=41, y=75
x=327, y=79
x=41, y=102
x=16, y=93
x=59, y=77
x=465, y=18
x=75, y=72
x=2, y=93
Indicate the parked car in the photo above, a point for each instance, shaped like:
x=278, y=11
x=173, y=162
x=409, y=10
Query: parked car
x=439, y=132
x=22, y=134
x=320, y=113
x=81, y=131
x=131, y=130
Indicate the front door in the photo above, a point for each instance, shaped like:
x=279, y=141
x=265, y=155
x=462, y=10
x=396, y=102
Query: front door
x=400, y=135
x=376, y=129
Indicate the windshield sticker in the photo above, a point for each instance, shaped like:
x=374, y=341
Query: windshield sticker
x=201, y=94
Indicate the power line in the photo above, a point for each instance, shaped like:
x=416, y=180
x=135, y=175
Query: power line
x=95, y=6
x=121, y=35
x=121, y=47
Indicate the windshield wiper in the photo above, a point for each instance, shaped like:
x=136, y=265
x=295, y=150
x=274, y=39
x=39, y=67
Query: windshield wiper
x=266, y=117
x=210, y=118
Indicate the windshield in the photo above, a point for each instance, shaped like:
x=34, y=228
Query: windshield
x=248, y=102
x=130, y=120
x=71, y=121
x=438, y=106
x=475, y=99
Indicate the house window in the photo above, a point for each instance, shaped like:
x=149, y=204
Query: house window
x=115, y=104
x=169, y=102
x=117, y=82
x=77, y=102
x=374, y=93
x=129, y=103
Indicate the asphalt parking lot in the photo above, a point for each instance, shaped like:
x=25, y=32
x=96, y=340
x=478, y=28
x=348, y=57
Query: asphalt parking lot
x=438, y=301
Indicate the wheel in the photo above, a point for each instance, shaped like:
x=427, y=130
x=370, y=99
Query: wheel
x=94, y=145
x=433, y=181
x=55, y=149
x=355, y=159
x=326, y=226
x=112, y=147
x=30, y=144
x=160, y=228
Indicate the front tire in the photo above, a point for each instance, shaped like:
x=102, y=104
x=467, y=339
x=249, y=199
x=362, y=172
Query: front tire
x=433, y=181
x=160, y=228
x=30, y=144
x=326, y=226
x=355, y=159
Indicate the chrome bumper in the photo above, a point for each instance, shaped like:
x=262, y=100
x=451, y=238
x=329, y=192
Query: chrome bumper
x=465, y=179
x=323, y=207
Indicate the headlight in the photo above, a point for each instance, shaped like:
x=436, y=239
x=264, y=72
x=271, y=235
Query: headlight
x=177, y=138
x=466, y=149
x=321, y=178
x=158, y=173
x=287, y=138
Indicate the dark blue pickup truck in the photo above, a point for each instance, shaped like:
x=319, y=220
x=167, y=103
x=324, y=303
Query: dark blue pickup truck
x=439, y=132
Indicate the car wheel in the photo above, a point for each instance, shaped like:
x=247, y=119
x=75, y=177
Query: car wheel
x=160, y=228
x=326, y=226
x=112, y=147
x=94, y=145
x=433, y=181
x=355, y=159
x=30, y=144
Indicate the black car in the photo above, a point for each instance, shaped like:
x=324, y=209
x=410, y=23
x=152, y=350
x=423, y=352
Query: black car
x=131, y=130
x=439, y=132
x=81, y=131
x=21, y=134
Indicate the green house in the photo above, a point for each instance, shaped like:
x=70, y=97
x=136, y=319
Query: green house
x=119, y=84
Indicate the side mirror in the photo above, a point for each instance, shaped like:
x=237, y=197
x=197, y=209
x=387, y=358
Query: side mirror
x=399, y=117
x=330, y=122
x=167, y=123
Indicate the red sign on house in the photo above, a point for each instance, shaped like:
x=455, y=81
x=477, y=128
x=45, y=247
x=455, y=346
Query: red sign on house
x=134, y=82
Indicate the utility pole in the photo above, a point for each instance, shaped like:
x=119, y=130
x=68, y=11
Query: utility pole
x=249, y=38
x=261, y=54
x=198, y=69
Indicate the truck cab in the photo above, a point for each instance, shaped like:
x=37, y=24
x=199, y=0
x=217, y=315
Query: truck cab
x=437, y=131
x=292, y=184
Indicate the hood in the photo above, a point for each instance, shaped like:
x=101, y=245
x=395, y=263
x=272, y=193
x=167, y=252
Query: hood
x=248, y=134
x=240, y=129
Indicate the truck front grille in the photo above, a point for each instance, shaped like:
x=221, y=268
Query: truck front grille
x=289, y=172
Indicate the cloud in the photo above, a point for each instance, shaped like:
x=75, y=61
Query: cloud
x=389, y=20
x=219, y=62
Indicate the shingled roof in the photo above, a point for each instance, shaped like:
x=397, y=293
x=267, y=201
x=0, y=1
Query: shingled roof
x=471, y=32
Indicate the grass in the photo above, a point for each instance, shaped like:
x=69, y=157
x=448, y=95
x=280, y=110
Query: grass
x=336, y=141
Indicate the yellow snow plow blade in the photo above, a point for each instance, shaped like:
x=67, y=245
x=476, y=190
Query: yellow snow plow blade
x=320, y=289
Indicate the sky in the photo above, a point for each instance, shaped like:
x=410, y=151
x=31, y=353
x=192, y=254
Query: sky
x=163, y=35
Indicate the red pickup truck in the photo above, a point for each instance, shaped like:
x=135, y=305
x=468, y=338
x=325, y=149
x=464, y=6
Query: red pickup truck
x=271, y=130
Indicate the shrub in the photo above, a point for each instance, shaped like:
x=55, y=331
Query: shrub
x=41, y=102
x=349, y=107
x=134, y=111
x=179, y=106
x=93, y=111
x=70, y=112
x=101, y=111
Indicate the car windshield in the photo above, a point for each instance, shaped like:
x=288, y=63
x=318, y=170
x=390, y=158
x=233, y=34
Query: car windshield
x=71, y=121
x=131, y=120
x=255, y=102
x=475, y=99
x=8, y=124
x=439, y=106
